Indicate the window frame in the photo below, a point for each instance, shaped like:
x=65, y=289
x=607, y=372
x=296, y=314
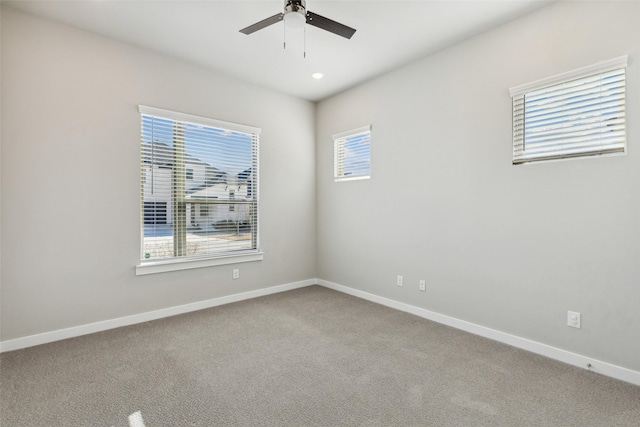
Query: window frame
x=340, y=138
x=212, y=259
x=519, y=93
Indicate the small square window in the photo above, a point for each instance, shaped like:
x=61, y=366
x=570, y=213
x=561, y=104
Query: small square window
x=352, y=154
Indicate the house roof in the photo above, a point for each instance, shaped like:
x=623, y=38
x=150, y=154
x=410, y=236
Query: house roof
x=161, y=155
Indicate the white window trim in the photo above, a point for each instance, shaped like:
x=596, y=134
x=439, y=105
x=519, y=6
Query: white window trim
x=152, y=267
x=174, y=115
x=348, y=133
x=352, y=178
x=177, y=264
x=599, y=67
x=352, y=132
x=520, y=91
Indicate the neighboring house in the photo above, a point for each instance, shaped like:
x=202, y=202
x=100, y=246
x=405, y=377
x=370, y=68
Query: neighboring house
x=203, y=183
x=204, y=215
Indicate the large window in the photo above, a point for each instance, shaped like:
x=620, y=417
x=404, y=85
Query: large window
x=199, y=188
x=352, y=154
x=575, y=114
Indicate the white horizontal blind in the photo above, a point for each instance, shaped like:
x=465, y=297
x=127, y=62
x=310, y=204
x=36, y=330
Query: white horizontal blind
x=199, y=186
x=352, y=154
x=583, y=116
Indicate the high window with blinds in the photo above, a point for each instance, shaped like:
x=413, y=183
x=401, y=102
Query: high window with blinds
x=575, y=114
x=352, y=154
x=199, y=187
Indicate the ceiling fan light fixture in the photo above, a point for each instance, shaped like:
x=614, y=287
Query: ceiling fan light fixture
x=294, y=20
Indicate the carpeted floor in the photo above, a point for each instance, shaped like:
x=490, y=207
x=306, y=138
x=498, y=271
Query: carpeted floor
x=309, y=357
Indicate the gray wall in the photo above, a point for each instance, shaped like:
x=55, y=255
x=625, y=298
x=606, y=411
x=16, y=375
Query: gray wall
x=507, y=247
x=71, y=186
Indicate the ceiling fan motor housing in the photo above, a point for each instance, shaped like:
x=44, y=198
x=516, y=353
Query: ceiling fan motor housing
x=298, y=6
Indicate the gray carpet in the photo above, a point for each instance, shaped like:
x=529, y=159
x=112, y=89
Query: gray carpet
x=309, y=357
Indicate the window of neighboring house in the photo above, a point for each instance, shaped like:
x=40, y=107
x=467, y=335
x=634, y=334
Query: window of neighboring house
x=232, y=196
x=227, y=153
x=352, y=154
x=575, y=114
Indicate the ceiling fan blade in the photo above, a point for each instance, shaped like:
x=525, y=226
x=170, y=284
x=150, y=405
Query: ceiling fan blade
x=329, y=25
x=262, y=24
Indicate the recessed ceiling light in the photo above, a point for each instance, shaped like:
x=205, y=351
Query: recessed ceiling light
x=317, y=76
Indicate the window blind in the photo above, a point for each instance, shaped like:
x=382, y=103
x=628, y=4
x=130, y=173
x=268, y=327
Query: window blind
x=199, y=186
x=581, y=113
x=352, y=154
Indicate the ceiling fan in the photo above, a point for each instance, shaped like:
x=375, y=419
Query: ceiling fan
x=295, y=11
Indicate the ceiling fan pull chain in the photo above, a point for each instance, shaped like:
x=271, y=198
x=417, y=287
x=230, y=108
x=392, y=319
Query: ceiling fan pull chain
x=304, y=53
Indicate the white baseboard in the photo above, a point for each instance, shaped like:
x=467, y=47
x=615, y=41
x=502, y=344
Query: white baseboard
x=76, y=331
x=574, y=359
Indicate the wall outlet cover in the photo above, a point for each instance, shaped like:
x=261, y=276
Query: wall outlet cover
x=573, y=319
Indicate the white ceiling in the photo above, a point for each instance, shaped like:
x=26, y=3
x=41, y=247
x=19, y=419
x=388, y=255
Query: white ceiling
x=389, y=34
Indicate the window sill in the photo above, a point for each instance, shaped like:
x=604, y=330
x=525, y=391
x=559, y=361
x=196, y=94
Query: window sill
x=153, y=267
x=352, y=178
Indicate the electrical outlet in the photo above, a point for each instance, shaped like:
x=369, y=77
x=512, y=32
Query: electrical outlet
x=573, y=319
x=400, y=281
x=236, y=273
x=423, y=285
